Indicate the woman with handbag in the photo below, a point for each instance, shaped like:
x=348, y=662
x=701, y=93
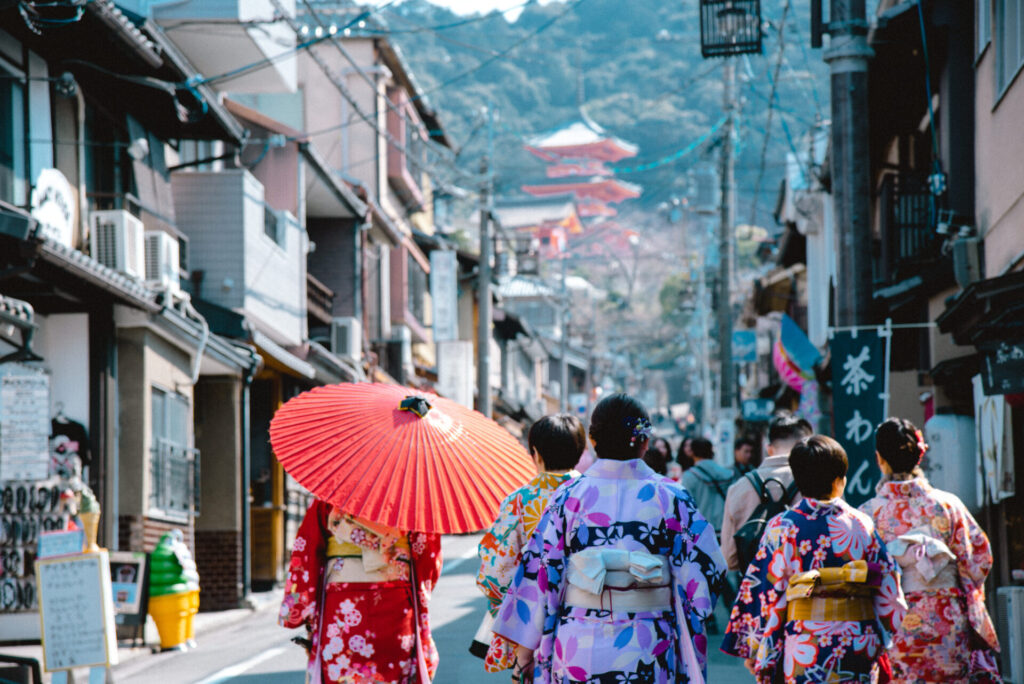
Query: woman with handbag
x=556, y=444
x=947, y=635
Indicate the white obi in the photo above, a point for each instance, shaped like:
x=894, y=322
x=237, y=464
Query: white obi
x=618, y=579
x=926, y=561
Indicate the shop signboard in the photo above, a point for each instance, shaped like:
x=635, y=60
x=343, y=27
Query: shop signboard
x=444, y=294
x=455, y=371
x=129, y=581
x=24, y=425
x=744, y=346
x=758, y=410
x=1003, y=368
x=53, y=206
x=858, y=360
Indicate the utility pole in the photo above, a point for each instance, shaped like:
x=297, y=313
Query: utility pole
x=725, y=231
x=484, y=276
x=847, y=57
x=563, y=399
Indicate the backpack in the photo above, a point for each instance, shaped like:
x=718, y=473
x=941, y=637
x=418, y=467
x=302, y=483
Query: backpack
x=748, y=536
x=720, y=486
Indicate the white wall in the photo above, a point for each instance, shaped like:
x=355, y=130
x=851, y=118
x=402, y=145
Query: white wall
x=63, y=342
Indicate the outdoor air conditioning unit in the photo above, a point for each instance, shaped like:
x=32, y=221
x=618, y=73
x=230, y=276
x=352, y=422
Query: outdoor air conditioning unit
x=967, y=260
x=162, y=261
x=347, y=337
x=1010, y=625
x=116, y=241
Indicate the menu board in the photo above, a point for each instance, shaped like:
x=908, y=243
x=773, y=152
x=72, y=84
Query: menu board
x=129, y=582
x=76, y=610
x=24, y=426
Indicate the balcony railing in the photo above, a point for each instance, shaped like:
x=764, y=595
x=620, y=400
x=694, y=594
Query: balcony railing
x=319, y=300
x=908, y=213
x=174, y=470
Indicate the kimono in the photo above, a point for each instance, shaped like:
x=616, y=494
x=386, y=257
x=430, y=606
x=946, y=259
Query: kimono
x=945, y=557
x=815, y=536
x=622, y=507
x=501, y=547
x=362, y=632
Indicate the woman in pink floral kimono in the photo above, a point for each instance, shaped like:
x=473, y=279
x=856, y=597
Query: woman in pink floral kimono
x=361, y=589
x=947, y=635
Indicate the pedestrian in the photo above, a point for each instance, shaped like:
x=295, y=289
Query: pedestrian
x=743, y=455
x=945, y=557
x=658, y=455
x=772, y=480
x=361, y=590
x=556, y=444
x=708, y=482
x=822, y=596
x=685, y=454
x=622, y=571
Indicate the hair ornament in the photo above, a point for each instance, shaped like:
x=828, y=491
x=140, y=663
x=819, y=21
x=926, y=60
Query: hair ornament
x=921, y=444
x=640, y=429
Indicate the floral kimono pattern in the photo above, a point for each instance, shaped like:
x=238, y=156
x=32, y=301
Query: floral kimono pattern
x=938, y=640
x=501, y=548
x=617, y=505
x=813, y=535
x=362, y=632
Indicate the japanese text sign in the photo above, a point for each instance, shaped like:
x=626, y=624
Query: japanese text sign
x=1002, y=370
x=858, y=386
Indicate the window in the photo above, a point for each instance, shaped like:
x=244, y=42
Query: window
x=982, y=25
x=274, y=225
x=174, y=466
x=12, y=136
x=1009, y=42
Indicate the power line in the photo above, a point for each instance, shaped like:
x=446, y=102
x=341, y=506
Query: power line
x=771, y=110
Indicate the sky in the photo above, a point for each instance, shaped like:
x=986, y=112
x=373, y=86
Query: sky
x=476, y=6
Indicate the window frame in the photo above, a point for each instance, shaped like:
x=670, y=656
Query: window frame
x=20, y=184
x=1003, y=85
x=982, y=9
x=167, y=445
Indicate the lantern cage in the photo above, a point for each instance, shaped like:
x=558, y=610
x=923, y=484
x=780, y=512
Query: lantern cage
x=730, y=27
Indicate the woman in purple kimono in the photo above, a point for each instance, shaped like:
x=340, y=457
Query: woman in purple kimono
x=621, y=573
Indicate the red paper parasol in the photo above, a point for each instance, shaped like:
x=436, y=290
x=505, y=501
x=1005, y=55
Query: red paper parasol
x=367, y=449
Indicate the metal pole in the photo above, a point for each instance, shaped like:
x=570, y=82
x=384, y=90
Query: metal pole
x=847, y=57
x=725, y=229
x=484, y=283
x=563, y=399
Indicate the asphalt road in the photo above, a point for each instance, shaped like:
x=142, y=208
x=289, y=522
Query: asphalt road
x=257, y=651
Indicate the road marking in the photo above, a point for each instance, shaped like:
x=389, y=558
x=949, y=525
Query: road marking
x=244, y=666
x=469, y=554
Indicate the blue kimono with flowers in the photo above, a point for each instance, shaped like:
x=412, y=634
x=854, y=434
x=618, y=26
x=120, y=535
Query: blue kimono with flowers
x=811, y=536
x=621, y=505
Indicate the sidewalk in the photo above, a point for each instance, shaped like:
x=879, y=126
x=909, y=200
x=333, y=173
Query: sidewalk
x=205, y=623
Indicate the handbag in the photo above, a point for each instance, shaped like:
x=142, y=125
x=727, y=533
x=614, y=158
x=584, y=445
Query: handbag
x=482, y=639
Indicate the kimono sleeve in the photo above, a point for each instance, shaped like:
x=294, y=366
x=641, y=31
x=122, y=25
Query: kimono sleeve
x=302, y=588
x=890, y=604
x=426, y=556
x=530, y=606
x=499, y=554
x=973, y=553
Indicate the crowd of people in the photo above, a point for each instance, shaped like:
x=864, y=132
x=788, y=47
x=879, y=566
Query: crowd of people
x=608, y=565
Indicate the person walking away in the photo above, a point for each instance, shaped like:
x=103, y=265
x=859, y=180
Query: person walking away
x=622, y=571
x=708, y=482
x=945, y=556
x=743, y=456
x=685, y=454
x=770, y=482
x=556, y=444
x=361, y=589
x=822, y=596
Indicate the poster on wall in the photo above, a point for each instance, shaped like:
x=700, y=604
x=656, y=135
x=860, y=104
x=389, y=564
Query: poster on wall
x=24, y=425
x=858, y=379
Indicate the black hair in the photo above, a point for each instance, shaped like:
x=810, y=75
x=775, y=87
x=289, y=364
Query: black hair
x=655, y=458
x=817, y=462
x=784, y=427
x=702, y=448
x=616, y=425
x=683, y=458
x=744, y=441
x=559, y=439
x=896, y=441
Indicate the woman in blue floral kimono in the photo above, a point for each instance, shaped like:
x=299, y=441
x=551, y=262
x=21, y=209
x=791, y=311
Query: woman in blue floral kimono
x=821, y=598
x=621, y=573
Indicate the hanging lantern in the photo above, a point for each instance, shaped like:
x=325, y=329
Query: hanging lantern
x=730, y=27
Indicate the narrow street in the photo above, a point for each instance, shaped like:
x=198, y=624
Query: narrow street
x=257, y=651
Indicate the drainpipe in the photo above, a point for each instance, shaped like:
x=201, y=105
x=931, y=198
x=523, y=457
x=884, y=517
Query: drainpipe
x=247, y=378
x=83, y=220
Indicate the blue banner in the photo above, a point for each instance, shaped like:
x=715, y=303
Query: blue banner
x=858, y=390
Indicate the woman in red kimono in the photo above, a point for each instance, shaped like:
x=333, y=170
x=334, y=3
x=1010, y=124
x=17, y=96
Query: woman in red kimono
x=360, y=589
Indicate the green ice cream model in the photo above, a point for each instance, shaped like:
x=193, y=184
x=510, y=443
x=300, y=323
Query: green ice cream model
x=173, y=590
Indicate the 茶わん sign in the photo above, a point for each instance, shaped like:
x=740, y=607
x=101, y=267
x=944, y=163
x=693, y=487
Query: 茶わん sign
x=858, y=388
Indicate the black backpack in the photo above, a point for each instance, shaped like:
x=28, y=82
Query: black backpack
x=748, y=536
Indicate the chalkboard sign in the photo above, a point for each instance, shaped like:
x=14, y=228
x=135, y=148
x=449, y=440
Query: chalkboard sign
x=76, y=611
x=1003, y=368
x=129, y=581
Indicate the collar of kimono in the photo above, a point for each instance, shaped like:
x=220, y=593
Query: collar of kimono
x=802, y=585
x=610, y=469
x=549, y=479
x=914, y=487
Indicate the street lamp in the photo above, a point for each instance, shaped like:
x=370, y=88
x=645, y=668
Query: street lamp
x=730, y=27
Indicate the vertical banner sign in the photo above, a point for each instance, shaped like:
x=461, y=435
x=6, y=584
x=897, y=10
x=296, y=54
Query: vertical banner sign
x=858, y=381
x=444, y=292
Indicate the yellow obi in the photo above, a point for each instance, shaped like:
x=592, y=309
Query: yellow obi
x=338, y=549
x=831, y=594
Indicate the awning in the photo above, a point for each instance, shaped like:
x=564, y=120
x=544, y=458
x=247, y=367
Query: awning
x=381, y=225
x=15, y=222
x=125, y=289
x=346, y=197
x=330, y=368
x=986, y=311
x=280, y=359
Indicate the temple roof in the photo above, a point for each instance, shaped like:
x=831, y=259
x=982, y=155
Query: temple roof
x=600, y=189
x=582, y=139
x=538, y=212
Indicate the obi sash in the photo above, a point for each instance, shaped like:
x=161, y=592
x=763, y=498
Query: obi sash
x=833, y=594
x=926, y=561
x=617, y=579
x=361, y=565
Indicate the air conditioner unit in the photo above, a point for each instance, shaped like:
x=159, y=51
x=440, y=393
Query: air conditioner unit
x=1010, y=625
x=347, y=337
x=162, y=261
x=116, y=241
x=967, y=261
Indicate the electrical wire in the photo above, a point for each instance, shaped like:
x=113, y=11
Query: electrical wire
x=771, y=110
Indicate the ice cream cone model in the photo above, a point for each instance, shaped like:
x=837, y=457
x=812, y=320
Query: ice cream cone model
x=89, y=514
x=170, y=613
x=173, y=581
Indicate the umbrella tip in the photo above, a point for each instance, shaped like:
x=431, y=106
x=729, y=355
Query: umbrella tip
x=415, y=404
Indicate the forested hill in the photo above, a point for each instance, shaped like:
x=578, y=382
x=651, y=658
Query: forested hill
x=645, y=81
